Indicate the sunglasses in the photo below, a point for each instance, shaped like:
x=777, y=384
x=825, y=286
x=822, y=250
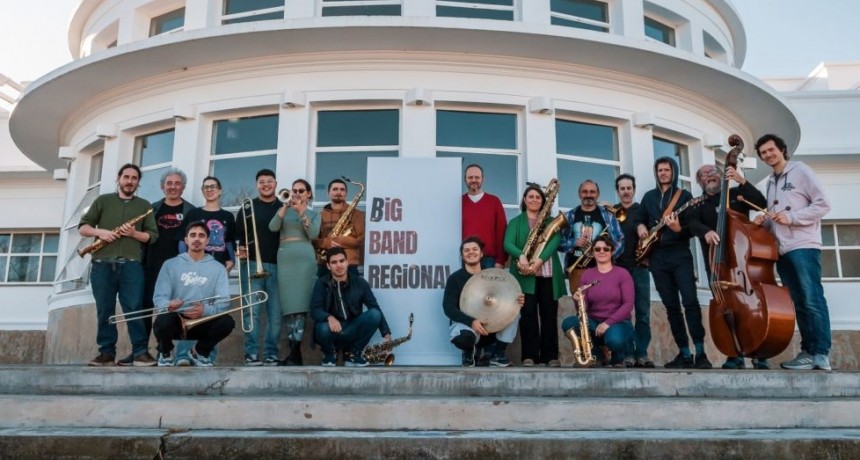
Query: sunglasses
x=602, y=249
x=299, y=191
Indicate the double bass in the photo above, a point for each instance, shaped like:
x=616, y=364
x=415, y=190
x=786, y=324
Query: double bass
x=750, y=314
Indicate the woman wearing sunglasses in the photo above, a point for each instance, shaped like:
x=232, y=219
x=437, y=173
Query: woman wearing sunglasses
x=297, y=265
x=609, y=304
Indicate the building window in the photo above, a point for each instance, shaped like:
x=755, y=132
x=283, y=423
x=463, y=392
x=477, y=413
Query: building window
x=585, y=151
x=240, y=148
x=659, y=31
x=713, y=49
x=28, y=257
x=361, y=7
x=236, y=11
x=346, y=139
x=840, y=250
x=476, y=9
x=488, y=139
x=677, y=152
x=580, y=14
x=167, y=22
x=95, y=178
x=154, y=154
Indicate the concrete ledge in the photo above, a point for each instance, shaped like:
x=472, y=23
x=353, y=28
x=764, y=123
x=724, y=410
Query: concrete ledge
x=22, y=347
x=704, y=445
x=423, y=413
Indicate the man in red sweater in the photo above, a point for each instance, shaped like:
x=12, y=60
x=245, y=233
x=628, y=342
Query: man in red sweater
x=484, y=217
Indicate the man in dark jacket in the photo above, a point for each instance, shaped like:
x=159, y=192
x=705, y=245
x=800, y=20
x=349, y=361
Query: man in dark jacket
x=671, y=264
x=337, y=307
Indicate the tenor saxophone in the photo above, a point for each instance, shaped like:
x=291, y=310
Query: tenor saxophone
x=343, y=227
x=98, y=243
x=382, y=352
x=582, y=344
x=540, y=234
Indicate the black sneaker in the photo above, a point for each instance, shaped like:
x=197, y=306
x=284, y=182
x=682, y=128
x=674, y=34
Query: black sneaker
x=500, y=361
x=760, y=364
x=483, y=361
x=734, y=363
x=680, y=362
x=127, y=361
x=469, y=358
x=103, y=359
x=702, y=362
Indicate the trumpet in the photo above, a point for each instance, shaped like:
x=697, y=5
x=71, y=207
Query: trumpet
x=247, y=203
x=619, y=211
x=284, y=195
x=582, y=344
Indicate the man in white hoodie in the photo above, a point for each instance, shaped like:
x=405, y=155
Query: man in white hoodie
x=192, y=285
x=796, y=203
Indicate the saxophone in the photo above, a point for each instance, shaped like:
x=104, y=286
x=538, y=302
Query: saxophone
x=99, y=243
x=582, y=344
x=382, y=352
x=540, y=234
x=343, y=227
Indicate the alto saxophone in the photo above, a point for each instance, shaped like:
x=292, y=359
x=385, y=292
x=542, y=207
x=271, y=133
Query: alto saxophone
x=539, y=235
x=582, y=344
x=343, y=227
x=382, y=352
x=99, y=243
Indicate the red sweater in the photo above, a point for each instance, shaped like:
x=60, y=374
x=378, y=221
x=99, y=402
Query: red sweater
x=486, y=219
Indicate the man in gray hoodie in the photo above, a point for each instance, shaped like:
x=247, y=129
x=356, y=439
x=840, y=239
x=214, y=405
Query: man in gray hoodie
x=192, y=285
x=796, y=203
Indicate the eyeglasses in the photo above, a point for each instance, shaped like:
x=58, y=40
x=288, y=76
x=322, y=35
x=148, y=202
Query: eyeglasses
x=210, y=187
x=602, y=249
x=298, y=191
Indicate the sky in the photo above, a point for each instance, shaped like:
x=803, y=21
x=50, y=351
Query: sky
x=784, y=37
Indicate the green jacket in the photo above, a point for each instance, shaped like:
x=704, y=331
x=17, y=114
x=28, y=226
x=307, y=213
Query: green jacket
x=109, y=211
x=515, y=239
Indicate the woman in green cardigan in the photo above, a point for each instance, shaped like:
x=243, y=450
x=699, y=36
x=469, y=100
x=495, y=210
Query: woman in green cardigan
x=542, y=283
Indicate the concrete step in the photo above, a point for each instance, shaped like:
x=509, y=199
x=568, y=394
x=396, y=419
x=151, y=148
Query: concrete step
x=423, y=413
x=660, y=444
x=427, y=381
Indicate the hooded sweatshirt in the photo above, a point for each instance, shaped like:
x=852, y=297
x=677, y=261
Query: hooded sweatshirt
x=797, y=192
x=184, y=278
x=654, y=203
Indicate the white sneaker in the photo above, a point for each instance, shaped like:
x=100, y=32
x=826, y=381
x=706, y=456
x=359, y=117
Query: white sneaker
x=802, y=362
x=821, y=362
x=165, y=360
x=201, y=361
x=183, y=360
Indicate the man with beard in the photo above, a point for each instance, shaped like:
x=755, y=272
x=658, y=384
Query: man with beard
x=116, y=268
x=703, y=222
x=169, y=212
x=220, y=222
x=586, y=222
x=331, y=213
x=265, y=207
x=484, y=217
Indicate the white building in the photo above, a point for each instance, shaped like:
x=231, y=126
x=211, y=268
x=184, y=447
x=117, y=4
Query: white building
x=531, y=89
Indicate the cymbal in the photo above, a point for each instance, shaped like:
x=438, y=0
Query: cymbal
x=491, y=296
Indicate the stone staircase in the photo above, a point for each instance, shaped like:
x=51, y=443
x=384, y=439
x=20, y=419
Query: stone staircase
x=425, y=412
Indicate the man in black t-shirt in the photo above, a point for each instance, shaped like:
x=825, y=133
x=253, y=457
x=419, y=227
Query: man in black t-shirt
x=220, y=222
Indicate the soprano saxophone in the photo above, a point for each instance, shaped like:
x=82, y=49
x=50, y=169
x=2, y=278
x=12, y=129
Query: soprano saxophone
x=540, y=234
x=382, y=352
x=99, y=243
x=582, y=344
x=343, y=227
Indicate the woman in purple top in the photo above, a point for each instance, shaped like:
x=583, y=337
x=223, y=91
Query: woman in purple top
x=609, y=304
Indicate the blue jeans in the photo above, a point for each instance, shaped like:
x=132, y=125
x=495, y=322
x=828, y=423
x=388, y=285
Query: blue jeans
x=273, y=312
x=616, y=338
x=125, y=280
x=354, y=334
x=800, y=272
x=642, y=308
x=672, y=269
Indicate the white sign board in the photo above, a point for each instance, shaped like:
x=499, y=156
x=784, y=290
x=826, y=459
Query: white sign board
x=411, y=246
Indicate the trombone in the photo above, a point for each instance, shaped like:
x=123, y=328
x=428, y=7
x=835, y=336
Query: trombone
x=153, y=312
x=260, y=272
x=246, y=328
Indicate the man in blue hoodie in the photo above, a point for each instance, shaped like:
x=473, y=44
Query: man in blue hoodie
x=797, y=203
x=671, y=264
x=184, y=283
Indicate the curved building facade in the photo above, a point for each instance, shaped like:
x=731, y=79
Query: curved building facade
x=530, y=89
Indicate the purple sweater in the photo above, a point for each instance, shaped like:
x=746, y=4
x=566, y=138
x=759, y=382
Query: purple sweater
x=611, y=301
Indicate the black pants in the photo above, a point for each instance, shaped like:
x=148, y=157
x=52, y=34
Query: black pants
x=168, y=328
x=539, y=323
x=672, y=269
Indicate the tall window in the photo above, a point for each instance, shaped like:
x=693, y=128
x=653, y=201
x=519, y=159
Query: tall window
x=659, y=31
x=346, y=139
x=235, y=11
x=580, y=14
x=677, y=152
x=840, y=250
x=95, y=177
x=585, y=151
x=28, y=257
x=485, y=138
x=477, y=9
x=361, y=7
x=167, y=22
x=154, y=154
x=240, y=148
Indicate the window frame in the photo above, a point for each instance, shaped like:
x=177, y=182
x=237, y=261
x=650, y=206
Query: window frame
x=41, y=254
x=478, y=6
x=226, y=18
x=211, y=157
x=607, y=25
x=616, y=127
x=334, y=4
x=168, y=15
x=837, y=248
x=137, y=153
x=660, y=24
